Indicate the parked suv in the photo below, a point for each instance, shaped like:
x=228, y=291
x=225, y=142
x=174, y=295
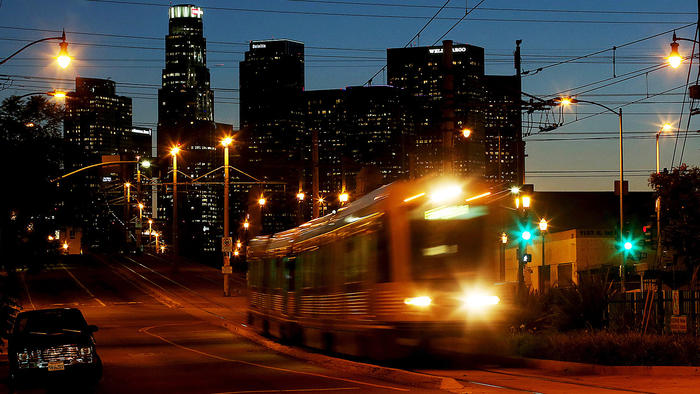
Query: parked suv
x=53, y=343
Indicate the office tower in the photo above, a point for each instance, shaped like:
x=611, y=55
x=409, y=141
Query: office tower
x=272, y=122
x=448, y=92
x=97, y=125
x=503, y=129
x=365, y=135
x=186, y=118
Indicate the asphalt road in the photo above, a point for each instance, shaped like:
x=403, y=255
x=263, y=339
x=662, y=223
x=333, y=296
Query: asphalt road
x=151, y=343
x=160, y=332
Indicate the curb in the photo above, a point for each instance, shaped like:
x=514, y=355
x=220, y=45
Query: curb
x=574, y=368
x=379, y=372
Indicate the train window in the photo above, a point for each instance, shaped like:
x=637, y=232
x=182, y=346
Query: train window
x=289, y=273
x=443, y=249
x=355, y=258
x=382, y=259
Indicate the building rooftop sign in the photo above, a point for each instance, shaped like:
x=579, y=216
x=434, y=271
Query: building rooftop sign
x=454, y=49
x=185, y=11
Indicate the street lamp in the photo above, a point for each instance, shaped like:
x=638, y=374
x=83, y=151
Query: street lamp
x=63, y=57
x=466, y=132
x=225, y=142
x=343, y=197
x=262, y=201
x=666, y=128
x=246, y=225
x=174, y=151
x=674, y=58
x=565, y=101
x=141, y=206
x=150, y=230
x=301, y=196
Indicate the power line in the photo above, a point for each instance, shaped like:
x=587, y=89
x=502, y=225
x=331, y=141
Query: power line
x=539, y=69
x=501, y=9
x=385, y=16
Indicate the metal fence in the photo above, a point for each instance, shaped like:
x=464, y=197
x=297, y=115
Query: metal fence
x=678, y=311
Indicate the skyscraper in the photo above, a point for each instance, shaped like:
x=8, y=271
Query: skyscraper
x=272, y=122
x=447, y=87
x=97, y=124
x=503, y=130
x=186, y=118
x=272, y=111
x=185, y=101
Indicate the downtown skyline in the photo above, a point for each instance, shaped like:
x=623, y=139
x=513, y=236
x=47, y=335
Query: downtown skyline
x=136, y=69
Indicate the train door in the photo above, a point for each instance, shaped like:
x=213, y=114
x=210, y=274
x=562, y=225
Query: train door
x=289, y=286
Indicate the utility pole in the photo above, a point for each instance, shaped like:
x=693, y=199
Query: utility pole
x=520, y=144
x=314, y=178
x=448, y=110
x=227, y=255
x=176, y=246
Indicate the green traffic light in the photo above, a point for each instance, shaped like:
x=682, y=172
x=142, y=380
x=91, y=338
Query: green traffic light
x=628, y=245
x=526, y=235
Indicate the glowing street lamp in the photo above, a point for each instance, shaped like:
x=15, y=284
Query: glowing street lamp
x=543, y=225
x=63, y=59
x=262, y=201
x=65, y=247
x=246, y=225
x=301, y=196
x=466, y=132
x=150, y=230
x=141, y=206
x=504, y=238
x=57, y=94
x=674, y=58
x=343, y=197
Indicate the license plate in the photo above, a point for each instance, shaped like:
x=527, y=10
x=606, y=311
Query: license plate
x=56, y=366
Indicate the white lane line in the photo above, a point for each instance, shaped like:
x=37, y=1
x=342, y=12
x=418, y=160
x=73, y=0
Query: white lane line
x=26, y=289
x=83, y=286
x=290, y=390
x=146, y=330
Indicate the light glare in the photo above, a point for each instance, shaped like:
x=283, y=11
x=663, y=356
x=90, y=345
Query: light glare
x=421, y=301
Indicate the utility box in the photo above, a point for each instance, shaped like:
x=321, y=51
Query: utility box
x=694, y=91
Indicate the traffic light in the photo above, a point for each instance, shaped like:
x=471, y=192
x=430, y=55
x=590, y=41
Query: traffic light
x=628, y=245
x=526, y=235
x=648, y=234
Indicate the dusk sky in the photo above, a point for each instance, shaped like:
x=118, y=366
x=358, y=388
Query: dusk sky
x=346, y=44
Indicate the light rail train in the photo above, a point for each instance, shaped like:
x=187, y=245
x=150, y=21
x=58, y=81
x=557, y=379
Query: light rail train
x=407, y=263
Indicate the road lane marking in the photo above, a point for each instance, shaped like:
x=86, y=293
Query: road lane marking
x=146, y=330
x=565, y=381
x=289, y=390
x=83, y=286
x=26, y=288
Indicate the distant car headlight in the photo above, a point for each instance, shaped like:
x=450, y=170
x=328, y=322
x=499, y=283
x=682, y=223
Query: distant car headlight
x=479, y=301
x=422, y=301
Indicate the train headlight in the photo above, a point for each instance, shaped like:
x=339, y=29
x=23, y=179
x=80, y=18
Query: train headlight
x=422, y=301
x=480, y=301
x=445, y=193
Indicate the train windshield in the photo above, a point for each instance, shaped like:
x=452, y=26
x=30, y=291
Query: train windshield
x=444, y=249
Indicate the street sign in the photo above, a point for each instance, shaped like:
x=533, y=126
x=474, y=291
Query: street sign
x=675, y=296
x=679, y=324
x=226, y=269
x=226, y=244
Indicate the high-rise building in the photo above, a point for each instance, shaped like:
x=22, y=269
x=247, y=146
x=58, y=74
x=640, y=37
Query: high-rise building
x=447, y=88
x=503, y=130
x=185, y=100
x=363, y=132
x=271, y=109
x=97, y=124
x=97, y=121
x=272, y=122
x=186, y=118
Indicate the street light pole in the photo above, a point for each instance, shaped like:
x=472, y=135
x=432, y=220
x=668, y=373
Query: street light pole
x=176, y=247
x=567, y=101
x=227, y=258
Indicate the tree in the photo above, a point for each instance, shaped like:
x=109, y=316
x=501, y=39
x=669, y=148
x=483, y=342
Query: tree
x=30, y=156
x=679, y=192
